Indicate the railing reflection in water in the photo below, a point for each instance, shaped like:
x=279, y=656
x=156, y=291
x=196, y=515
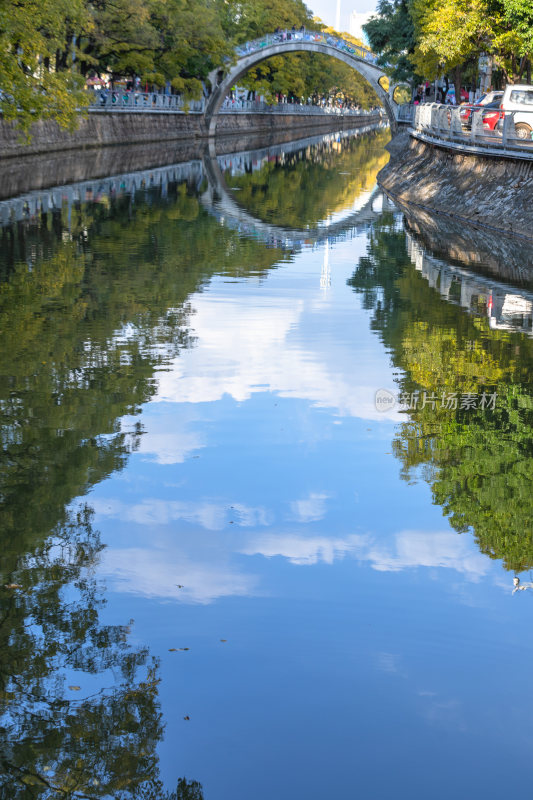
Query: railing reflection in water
x=507, y=307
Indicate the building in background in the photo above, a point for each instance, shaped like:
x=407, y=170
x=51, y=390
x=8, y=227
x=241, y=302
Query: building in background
x=357, y=20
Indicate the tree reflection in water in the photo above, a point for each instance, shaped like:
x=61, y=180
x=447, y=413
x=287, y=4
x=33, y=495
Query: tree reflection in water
x=74, y=740
x=70, y=369
x=92, y=306
x=479, y=464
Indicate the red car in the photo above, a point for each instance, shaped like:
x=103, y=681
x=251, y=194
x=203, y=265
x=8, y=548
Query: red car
x=492, y=115
x=465, y=112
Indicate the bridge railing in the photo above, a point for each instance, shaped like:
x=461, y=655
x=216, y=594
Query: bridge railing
x=503, y=132
x=308, y=36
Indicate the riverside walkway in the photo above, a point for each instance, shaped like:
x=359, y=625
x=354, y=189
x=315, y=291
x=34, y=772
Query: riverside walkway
x=158, y=102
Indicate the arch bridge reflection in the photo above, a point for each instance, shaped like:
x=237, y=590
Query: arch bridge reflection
x=206, y=176
x=507, y=307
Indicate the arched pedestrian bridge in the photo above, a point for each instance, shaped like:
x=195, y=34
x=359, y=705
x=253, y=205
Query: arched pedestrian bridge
x=253, y=53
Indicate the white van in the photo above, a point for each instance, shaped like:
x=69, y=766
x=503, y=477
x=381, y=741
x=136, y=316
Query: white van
x=518, y=98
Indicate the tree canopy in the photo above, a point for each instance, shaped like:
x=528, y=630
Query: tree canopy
x=391, y=35
x=427, y=38
x=49, y=49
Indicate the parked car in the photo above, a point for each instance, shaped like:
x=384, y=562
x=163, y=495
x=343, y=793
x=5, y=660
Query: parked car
x=465, y=112
x=517, y=101
x=491, y=115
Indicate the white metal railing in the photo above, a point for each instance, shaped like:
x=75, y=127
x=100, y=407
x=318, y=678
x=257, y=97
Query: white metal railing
x=405, y=112
x=509, y=131
x=121, y=101
x=308, y=36
x=116, y=100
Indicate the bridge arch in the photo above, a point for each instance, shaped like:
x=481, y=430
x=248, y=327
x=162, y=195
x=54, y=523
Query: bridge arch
x=253, y=53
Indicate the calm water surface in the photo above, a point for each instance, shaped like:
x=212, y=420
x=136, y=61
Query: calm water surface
x=227, y=572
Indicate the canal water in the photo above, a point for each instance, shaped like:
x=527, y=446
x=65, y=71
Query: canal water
x=265, y=487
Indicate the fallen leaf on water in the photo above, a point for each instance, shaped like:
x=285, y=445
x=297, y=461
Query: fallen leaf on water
x=74, y=688
x=12, y=586
x=187, y=717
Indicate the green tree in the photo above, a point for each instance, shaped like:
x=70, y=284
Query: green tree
x=188, y=50
x=303, y=76
x=391, y=34
x=244, y=20
x=121, y=40
x=451, y=33
x=37, y=48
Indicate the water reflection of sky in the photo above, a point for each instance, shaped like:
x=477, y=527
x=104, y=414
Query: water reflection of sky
x=371, y=651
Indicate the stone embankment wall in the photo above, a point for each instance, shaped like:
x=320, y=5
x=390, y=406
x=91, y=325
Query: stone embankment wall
x=115, y=128
x=482, y=190
x=32, y=172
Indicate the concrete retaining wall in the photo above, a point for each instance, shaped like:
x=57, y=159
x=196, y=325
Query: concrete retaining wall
x=30, y=172
x=119, y=128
